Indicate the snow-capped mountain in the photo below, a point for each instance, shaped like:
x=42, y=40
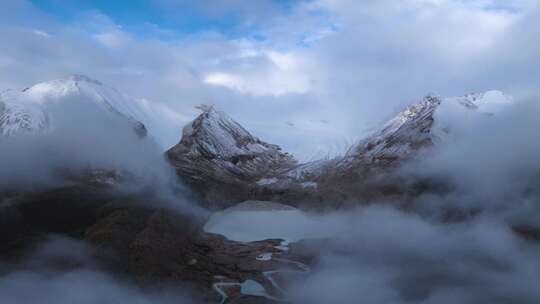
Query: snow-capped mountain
x=426, y=123
x=222, y=162
x=216, y=146
x=29, y=110
x=399, y=137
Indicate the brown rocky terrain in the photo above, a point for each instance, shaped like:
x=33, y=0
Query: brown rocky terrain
x=157, y=247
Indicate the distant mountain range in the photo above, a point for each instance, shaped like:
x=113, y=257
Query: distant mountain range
x=224, y=163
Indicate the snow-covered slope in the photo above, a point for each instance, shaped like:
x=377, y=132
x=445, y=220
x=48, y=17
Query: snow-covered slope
x=430, y=121
x=216, y=146
x=18, y=117
x=29, y=110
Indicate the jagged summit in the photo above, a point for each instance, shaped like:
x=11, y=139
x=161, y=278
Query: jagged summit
x=214, y=144
x=422, y=125
x=222, y=161
x=215, y=134
x=406, y=132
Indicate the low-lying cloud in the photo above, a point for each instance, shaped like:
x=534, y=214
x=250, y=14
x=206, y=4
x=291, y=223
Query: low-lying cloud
x=459, y=245
x=490, y=161
x=63, y=270
x=87, y=143
x=386, y=256
x=81, y=137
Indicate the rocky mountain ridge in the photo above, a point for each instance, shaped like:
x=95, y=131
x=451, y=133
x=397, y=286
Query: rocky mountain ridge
x=216, y=150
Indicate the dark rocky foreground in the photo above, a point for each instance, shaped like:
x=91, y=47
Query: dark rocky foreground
x=154, y=247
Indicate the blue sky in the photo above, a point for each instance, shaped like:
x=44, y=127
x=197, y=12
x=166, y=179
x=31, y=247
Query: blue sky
x=231, y=18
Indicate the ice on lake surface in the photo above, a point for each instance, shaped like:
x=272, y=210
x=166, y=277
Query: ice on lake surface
x=247, y=226
x=252, y=288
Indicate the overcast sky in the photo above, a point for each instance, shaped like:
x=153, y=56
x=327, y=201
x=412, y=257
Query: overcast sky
x=312, y=76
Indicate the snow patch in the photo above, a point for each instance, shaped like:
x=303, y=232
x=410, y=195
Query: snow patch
x=264, y=257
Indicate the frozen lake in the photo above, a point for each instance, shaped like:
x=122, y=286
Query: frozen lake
x=249, y=222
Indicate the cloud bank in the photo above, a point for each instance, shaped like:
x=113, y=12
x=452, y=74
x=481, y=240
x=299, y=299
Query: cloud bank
x=385, y=256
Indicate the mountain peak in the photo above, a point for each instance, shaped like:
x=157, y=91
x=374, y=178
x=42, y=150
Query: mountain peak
x=421, y=125
x=215, y=145
x=215, y=134
x=406, y=132
x=30, y=109
x=61, y=87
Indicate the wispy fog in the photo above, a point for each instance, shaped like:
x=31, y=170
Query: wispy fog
x=62, y=271
x=81, y=137
x=492, y=163
x=385, y=256
x=454, y=246
x=87, y=143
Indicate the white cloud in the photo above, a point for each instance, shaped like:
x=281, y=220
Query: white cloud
x=260, y=71
x=113, y=39
x=226, y=80
x=41, y=33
